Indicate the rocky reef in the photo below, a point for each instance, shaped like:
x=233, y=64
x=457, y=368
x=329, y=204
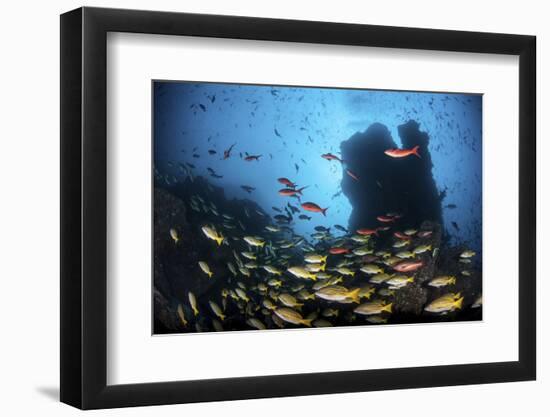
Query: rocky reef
x=399, y=185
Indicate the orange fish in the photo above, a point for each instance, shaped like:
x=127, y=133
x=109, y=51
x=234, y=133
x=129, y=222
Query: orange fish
x=288, y=192
x=352, y=175
x=331, y=157
x=367, y=232
x=386, y=219
x=252, y=157
x=408, y=266
x=287, y=182
x=315, y=208
x=402, y=153
x=338, y=251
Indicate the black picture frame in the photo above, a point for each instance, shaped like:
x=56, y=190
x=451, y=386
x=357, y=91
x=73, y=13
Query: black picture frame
x=84, y=207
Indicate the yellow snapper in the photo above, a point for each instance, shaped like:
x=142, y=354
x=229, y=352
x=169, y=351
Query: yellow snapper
x=242, y=294
x=301, y=272
x=174, y=235
x=442, y=281
x=371, y=269
x=206, y=269
x=399, y=281
x=210, y=233
x=272, y=270
x=379, y=278
x=345, y=271
x=421, y=249
x=373, y=307
x=256, y=323
x=289, y=301
x=339, y=293
x=468, y=254
x=292, y=316
x=315, y=267
x=254, y=241
x=181, y=315
x=314, y=258
x=445, y=303
x=217, y=310
x=193, y=302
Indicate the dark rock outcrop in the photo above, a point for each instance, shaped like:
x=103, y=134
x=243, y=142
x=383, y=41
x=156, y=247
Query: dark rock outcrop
x=386, y=184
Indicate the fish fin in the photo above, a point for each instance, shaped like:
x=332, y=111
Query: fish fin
x=458, y=303
x=219, y=240
x=210, y=274
x=196, y=312
x=354, y=295
x=307, y=322
x=324, y=259
x=324, y=211
x=323, y=267
x=415, y=151
x=387, y=308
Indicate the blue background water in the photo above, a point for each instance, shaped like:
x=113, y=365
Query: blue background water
x=195, y=117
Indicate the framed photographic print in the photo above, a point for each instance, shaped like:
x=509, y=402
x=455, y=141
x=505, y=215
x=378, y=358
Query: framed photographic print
x=295, y=207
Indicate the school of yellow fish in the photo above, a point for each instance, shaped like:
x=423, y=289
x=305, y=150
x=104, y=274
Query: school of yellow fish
x=281, y=280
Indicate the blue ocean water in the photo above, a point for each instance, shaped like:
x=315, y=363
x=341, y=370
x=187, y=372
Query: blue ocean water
x=292, y=127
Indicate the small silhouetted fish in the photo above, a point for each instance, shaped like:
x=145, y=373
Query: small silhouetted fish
x=203, y=107
x=212, y=152
x=277, y=209
x=293, y=208
x=277, y=132
x=247, y=188
x=450, y=206
x=196, y=155
x=304, y=217
x=455, y=226
x=190, y=165
x=322, y=229
x=217, y=176
x=297, y=167
x=341, y=228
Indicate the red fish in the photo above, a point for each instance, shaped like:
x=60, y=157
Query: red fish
x=338, y=251
x=331, y=157
x=287, y=182
x=408, y=266
x=425, y=233
x=386, y=219
x=367, y=232
x=402, y=153
x=227, y=152
x=314, y=208
x=352, y=175
x=252, y=157
x=400, y=235
x=287, y=192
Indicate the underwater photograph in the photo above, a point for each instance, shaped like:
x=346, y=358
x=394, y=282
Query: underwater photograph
x=284, y=207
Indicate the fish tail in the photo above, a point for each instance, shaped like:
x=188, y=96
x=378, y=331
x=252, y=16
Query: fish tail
x=324, y=211
x=313, y=277
x=219, y=240
x=387, y=307
x=323, y=267
x=210, y=274
x=195, y=311
x=354, y=295
x=324, y=259
x=222, y=317
x=453, y=280
x=307, y=322
x=458, y=303
x=415, y=151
